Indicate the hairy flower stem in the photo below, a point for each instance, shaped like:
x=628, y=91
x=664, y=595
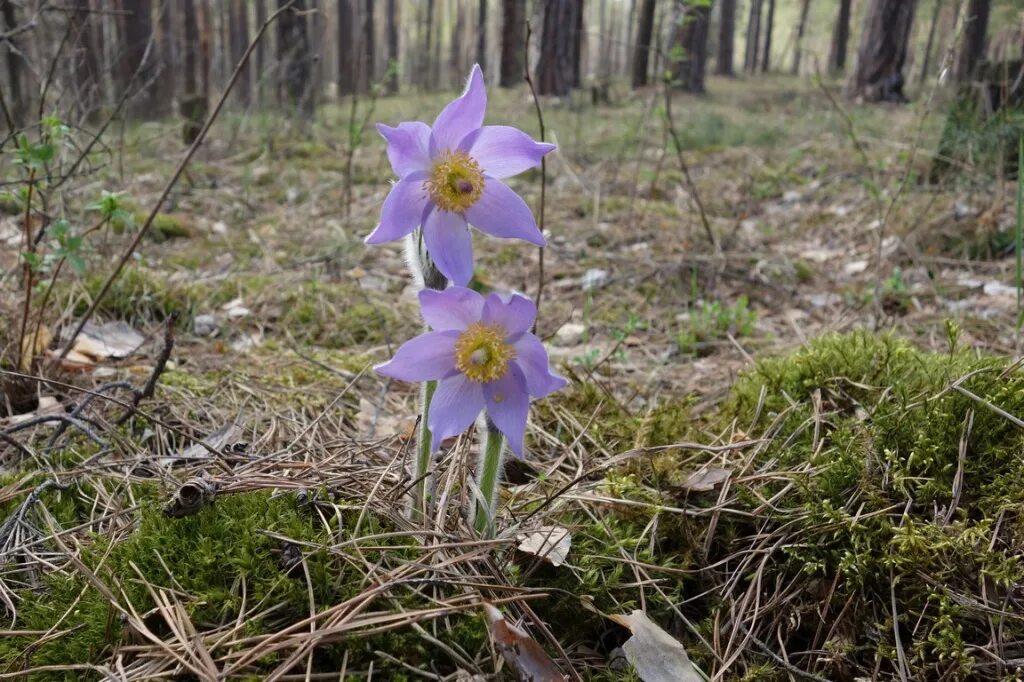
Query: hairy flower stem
x=422, y=493
x=488, y=475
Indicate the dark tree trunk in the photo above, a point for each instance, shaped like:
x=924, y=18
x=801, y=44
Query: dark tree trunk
x=190, y=49
x=882, y=53
x=239, y=33
x=261, y=51
x=346, y=48
x=691, y=34
x=972, y=49
x=927, y=61
x=368, y=48
x=481, y=36
x=294, y=55
x=14, y=94
x=801, y=28
x=195, y=79
x=428, y=52
x=840, y=39
x=726, y=38
x=642, y=51
x=85, y=60
x=392, y=84
x=168, y=86
x=578, y=36
x=458, y=33
x=557, y=66
x=513, y=39
x=753, y=37
x=138, y=69
x=769, y=26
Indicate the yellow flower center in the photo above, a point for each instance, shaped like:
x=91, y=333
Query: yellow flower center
x=455, y=182
x=481, y=353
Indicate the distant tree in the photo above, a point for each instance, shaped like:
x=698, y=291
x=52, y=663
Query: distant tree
x=85, y=60
x=481, y=35
x=930, y=44
x=972, y=49
x=513, y=42
x=194, y=100
x=578, y=36
x=367, y=50
x=882, y=53
x=392, y=11
x=239, y=33
x=346, y=48
x=458, y=32
x=558, y=63
x=750, y=58
x=726, y=38
x=139, y=63
x=642, y=48
x=295, y=57
x=769, y=27
x=801, y=28
x=14, y=95
x=261, y=51
x=840, y=39
x=689, y=45
x=168, y=58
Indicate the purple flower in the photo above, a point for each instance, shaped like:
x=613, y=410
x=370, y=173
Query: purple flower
x=483, y=356
x=450, y=177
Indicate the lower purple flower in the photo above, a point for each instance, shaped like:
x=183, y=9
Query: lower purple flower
x=483, y=357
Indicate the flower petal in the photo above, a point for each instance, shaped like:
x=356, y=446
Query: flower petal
x=447, y=239
x=507, y=405
x=408, y=146
x=514, y=313
x=500, y=212
x=462, y=116
x=402, y=210
x=422, y=358
x=452, y=309
x=456, y=403
x=504, y=151
x=532, y=359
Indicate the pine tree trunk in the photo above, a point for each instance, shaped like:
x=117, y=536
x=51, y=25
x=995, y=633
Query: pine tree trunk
x=769, y=26
x=168, y=86
x=85, y=61
x=481, y=36
x=800, y=30
x=557, y=66
x=194, y=100
x=392, y=83
x=927, y=61
x=513, y=39
x=840, y=39
x=726, y=38
x=578, y=36
x=972, y=48
x=239, y=32
x=644, y=35
x=346, y=48
x=368, y=49
x=294, y=54
x=690, y=34
x=136, y=68
x=261, y=52
x=882, y=53
x=753, y=37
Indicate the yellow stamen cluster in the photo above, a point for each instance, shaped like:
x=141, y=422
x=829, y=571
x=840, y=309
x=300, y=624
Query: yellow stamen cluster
x=455, y=182
x=481, y=353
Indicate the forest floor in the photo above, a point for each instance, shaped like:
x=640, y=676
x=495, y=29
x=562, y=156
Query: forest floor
x=304, y=566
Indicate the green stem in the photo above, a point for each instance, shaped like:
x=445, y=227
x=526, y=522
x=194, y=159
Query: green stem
x=421, y=494
x=487, y=480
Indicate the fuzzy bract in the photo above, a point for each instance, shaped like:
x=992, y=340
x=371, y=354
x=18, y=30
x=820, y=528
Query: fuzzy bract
x=450, y=177
x=483, y=356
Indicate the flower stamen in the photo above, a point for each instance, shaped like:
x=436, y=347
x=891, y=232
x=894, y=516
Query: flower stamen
x=456, y=181
x=481, y=353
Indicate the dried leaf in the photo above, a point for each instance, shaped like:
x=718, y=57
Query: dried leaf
x=525, y=657
x=656, y=655
x=48, y=405
x=113, y=340
x=193, y=495
x=706, y=479
x=34, y=344
x=227, y=437
x=550, y=543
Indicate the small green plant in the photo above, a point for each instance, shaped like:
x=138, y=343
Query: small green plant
x=711, y=321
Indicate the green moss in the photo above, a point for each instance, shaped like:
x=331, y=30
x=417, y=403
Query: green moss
x=141, y=296
x=167, y=226
x=339, y=316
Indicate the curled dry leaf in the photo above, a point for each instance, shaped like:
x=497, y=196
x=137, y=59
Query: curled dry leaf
x=193, y=495
x=113, y=340
x=656, y=655
x=706, y=479
x=525, y=657
x=33, y=344
x=550, y=543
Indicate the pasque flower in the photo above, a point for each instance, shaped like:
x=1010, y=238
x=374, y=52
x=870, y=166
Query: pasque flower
x=450, y=177
x=483, y=357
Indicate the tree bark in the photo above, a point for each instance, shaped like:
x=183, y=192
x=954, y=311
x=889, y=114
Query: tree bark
x=239, y=33
x=392, y=83
x=261, y=52
x=726, y=38
x=800, y=30
x=840, y=39
x=558, y=64
x=753, y=37
x=927, y=61
x=578, y=37
x=513, y=39
x=972, y=49
x=346, y=48
x=368, y=49
x=85, y=61
x=481, y=36
x=644, y=35
x=691, y=35
x=294, y=55
x=882, y=53
x=769, y=26
x=138, y=33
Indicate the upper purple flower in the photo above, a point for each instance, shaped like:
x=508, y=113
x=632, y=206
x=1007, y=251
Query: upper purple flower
x=450, y=177
x=483, y=356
